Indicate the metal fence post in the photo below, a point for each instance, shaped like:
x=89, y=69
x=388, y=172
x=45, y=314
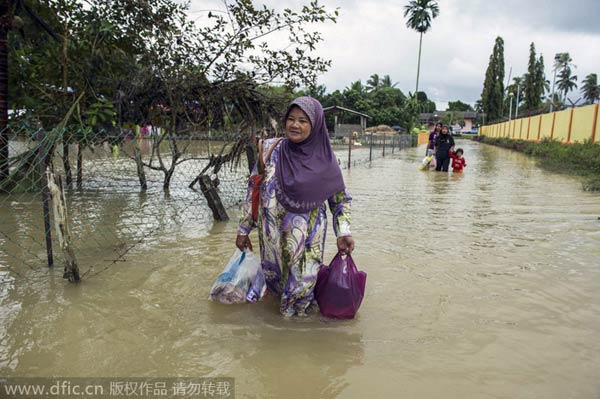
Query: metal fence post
x=349, y=148
x=43, y=159
x=371, y=148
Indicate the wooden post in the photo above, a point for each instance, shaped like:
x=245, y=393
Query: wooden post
x=213, y=199
x=384, y=144
x=393, y=137
x=79, y=166
x=552, y=130
x=61, y=225
x=595, y=124
x=528, y=127
x=540, y=128
x=570, y=125
x=43, y=159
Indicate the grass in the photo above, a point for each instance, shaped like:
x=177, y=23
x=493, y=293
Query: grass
x=581, y=159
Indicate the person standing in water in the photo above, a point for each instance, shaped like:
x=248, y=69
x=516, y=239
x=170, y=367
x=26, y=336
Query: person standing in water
x=300, y=176
x=444, y=144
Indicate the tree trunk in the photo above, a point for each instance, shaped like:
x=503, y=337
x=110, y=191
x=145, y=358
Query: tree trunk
x=79, y=165
x=419, y=63
x=140, y=168
x=5, y=7
x=61, y=224
x=67, y=163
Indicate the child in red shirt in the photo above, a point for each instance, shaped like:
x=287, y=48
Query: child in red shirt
x=458, y=161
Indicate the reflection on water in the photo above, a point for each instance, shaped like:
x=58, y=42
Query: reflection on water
x=480, y=285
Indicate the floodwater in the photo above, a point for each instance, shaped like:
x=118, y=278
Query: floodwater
x=482, y=285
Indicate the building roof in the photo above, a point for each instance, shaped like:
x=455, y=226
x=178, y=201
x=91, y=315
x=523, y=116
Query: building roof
x=337, y=108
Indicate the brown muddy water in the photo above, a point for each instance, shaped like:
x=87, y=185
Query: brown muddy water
x=482, y=285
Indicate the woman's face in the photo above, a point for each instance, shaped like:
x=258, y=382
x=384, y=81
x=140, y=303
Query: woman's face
x=438, y=128
x=297, y=125
x=444, y=130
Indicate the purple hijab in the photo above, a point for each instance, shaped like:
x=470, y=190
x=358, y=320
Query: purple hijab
x=307, y=173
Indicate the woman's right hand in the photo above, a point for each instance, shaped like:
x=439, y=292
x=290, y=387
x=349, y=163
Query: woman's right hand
x=243, y=242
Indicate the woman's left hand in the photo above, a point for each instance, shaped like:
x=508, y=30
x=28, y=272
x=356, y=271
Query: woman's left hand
x=345, y=244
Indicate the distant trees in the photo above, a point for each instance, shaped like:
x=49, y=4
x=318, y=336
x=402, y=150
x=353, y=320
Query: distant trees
x=533, y=82
x=492, y=95
x=458, y=106
x=590, y=88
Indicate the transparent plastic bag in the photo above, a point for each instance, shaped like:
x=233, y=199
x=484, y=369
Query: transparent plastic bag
x=233, y=284
x=340, y=288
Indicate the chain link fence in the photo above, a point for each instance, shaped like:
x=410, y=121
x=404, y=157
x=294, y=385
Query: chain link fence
x=124, y=190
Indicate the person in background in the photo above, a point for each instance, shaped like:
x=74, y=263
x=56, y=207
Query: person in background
x=431, y=144
x=444, y=145
x=300, y=175
x=458, y=161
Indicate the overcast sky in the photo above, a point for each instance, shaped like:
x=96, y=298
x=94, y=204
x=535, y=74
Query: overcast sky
x=372, y=37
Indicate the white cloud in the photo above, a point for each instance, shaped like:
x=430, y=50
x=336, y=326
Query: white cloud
x=371, y=37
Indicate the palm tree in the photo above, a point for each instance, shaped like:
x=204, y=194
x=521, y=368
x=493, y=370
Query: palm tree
x=566, y=81
x=387, y=82
x=357, y=86
x=591, y=90
x=561, y=61
x=374, y=82
x=420, y=13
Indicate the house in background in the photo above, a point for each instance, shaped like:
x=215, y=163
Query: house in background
x=468, y=120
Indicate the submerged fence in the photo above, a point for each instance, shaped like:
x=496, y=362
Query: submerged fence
x=569, y=126
x=123, y=191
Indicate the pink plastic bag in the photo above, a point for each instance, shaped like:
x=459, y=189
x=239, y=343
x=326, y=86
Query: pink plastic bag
x=340, y=288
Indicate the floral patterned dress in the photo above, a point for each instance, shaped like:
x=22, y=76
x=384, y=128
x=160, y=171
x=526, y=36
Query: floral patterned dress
x=291, y=244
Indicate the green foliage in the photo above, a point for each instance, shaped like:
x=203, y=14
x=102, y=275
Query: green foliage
x=591, y=89
x=492, y=96
x=458, y=106
x=533, y=86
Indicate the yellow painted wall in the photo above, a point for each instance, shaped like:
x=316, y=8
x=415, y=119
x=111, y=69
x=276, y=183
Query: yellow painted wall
x=561, y=125
x=581, y=126
x=583, y=121
x=535, y=127
x=546, y=128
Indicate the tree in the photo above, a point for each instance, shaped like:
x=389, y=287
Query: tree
x=374, y=82
x=492, y=96
x=420, y=13
x=9, y=20
x=590, y=88
x=561, y=61
x=458, y=106
x=566, y=81
x=387, y=82
x=533, y=84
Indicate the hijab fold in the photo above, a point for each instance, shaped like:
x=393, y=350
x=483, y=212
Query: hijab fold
x=307, y=173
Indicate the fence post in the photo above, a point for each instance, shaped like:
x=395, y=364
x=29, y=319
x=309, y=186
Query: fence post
x=528, y=127
x=552, y=130
x=213, y=199
x=595, y=123
x=540, y=128
x=43, y=158
x=393, y=139
x=371, y=147
x=349, y=148
x=570, y=125
x=384, y=144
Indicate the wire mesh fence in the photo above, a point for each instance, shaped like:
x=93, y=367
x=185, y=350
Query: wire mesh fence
x=124, y=190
